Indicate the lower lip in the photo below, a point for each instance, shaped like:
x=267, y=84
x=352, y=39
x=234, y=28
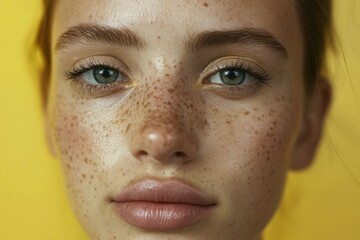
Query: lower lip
x=160, y=216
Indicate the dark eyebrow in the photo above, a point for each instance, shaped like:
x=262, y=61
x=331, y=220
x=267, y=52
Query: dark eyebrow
x=241, y=36
x=100, y=34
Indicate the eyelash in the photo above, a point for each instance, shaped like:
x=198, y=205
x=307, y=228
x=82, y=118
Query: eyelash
x=261, y=77
x=78, y=71
x=259, y=74
x=74, y=76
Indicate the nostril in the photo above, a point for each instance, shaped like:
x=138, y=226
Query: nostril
x=141, y=154
x=180, y=154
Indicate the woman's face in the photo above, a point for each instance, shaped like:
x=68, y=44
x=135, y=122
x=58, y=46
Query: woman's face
x=175, y=119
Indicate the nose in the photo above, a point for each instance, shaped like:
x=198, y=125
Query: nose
x=164, y=142
x=165, y=134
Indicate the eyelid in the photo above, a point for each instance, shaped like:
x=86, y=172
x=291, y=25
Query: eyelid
x=93, y=61
x=213, y=66
x=251, y=66
x=86, y=88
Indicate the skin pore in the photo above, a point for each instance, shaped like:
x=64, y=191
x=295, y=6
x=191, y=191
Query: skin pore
x=168, y=114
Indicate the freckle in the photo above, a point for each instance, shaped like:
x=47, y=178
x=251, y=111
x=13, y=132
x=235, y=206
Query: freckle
x=205, y=4
x=127, y=128
x=246, y=113
x=68, y=166
x=84, y=176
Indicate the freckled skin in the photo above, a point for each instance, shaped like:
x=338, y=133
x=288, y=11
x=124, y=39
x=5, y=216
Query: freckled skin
x=236, y=150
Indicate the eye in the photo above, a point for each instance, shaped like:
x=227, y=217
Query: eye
x=97, y=78
x=234, y=72
x=230, y=76
x=234, y=77
x=102, y=75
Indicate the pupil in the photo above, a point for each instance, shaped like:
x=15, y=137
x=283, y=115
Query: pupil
x=232, y=77
x=105, y=75
x=231, y=74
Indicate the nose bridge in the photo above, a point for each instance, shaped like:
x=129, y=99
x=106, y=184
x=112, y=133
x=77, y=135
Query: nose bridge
x=164, y=132
x=164, y=101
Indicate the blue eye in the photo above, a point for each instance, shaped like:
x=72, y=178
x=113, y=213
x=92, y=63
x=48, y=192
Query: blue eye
x=97, y=78
x=96, y=74
x=231, y=76
x=104, y=75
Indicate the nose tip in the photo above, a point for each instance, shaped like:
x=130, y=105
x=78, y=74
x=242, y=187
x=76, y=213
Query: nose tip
x=164, y=147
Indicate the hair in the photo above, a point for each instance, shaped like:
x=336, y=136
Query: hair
x=316, y=24
x=317, y=27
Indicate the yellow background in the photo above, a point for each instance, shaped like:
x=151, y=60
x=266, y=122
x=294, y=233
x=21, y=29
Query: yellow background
x=322, y=203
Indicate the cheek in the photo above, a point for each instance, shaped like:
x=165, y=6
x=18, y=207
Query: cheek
x=252, y=148
x=256, y=133
x=76, y=134
x=73, y=148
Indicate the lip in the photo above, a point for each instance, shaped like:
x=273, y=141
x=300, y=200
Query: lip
x=162, y=205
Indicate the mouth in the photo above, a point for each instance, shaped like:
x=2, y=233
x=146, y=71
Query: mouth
x=162, y=205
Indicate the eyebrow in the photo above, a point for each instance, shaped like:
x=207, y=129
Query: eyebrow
x=101, y=34
x=241, y=36
x=126, y=37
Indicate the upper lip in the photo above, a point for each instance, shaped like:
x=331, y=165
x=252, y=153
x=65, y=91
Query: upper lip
x=166, y=191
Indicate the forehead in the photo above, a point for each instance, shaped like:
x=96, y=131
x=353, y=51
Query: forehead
x=172, y=19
